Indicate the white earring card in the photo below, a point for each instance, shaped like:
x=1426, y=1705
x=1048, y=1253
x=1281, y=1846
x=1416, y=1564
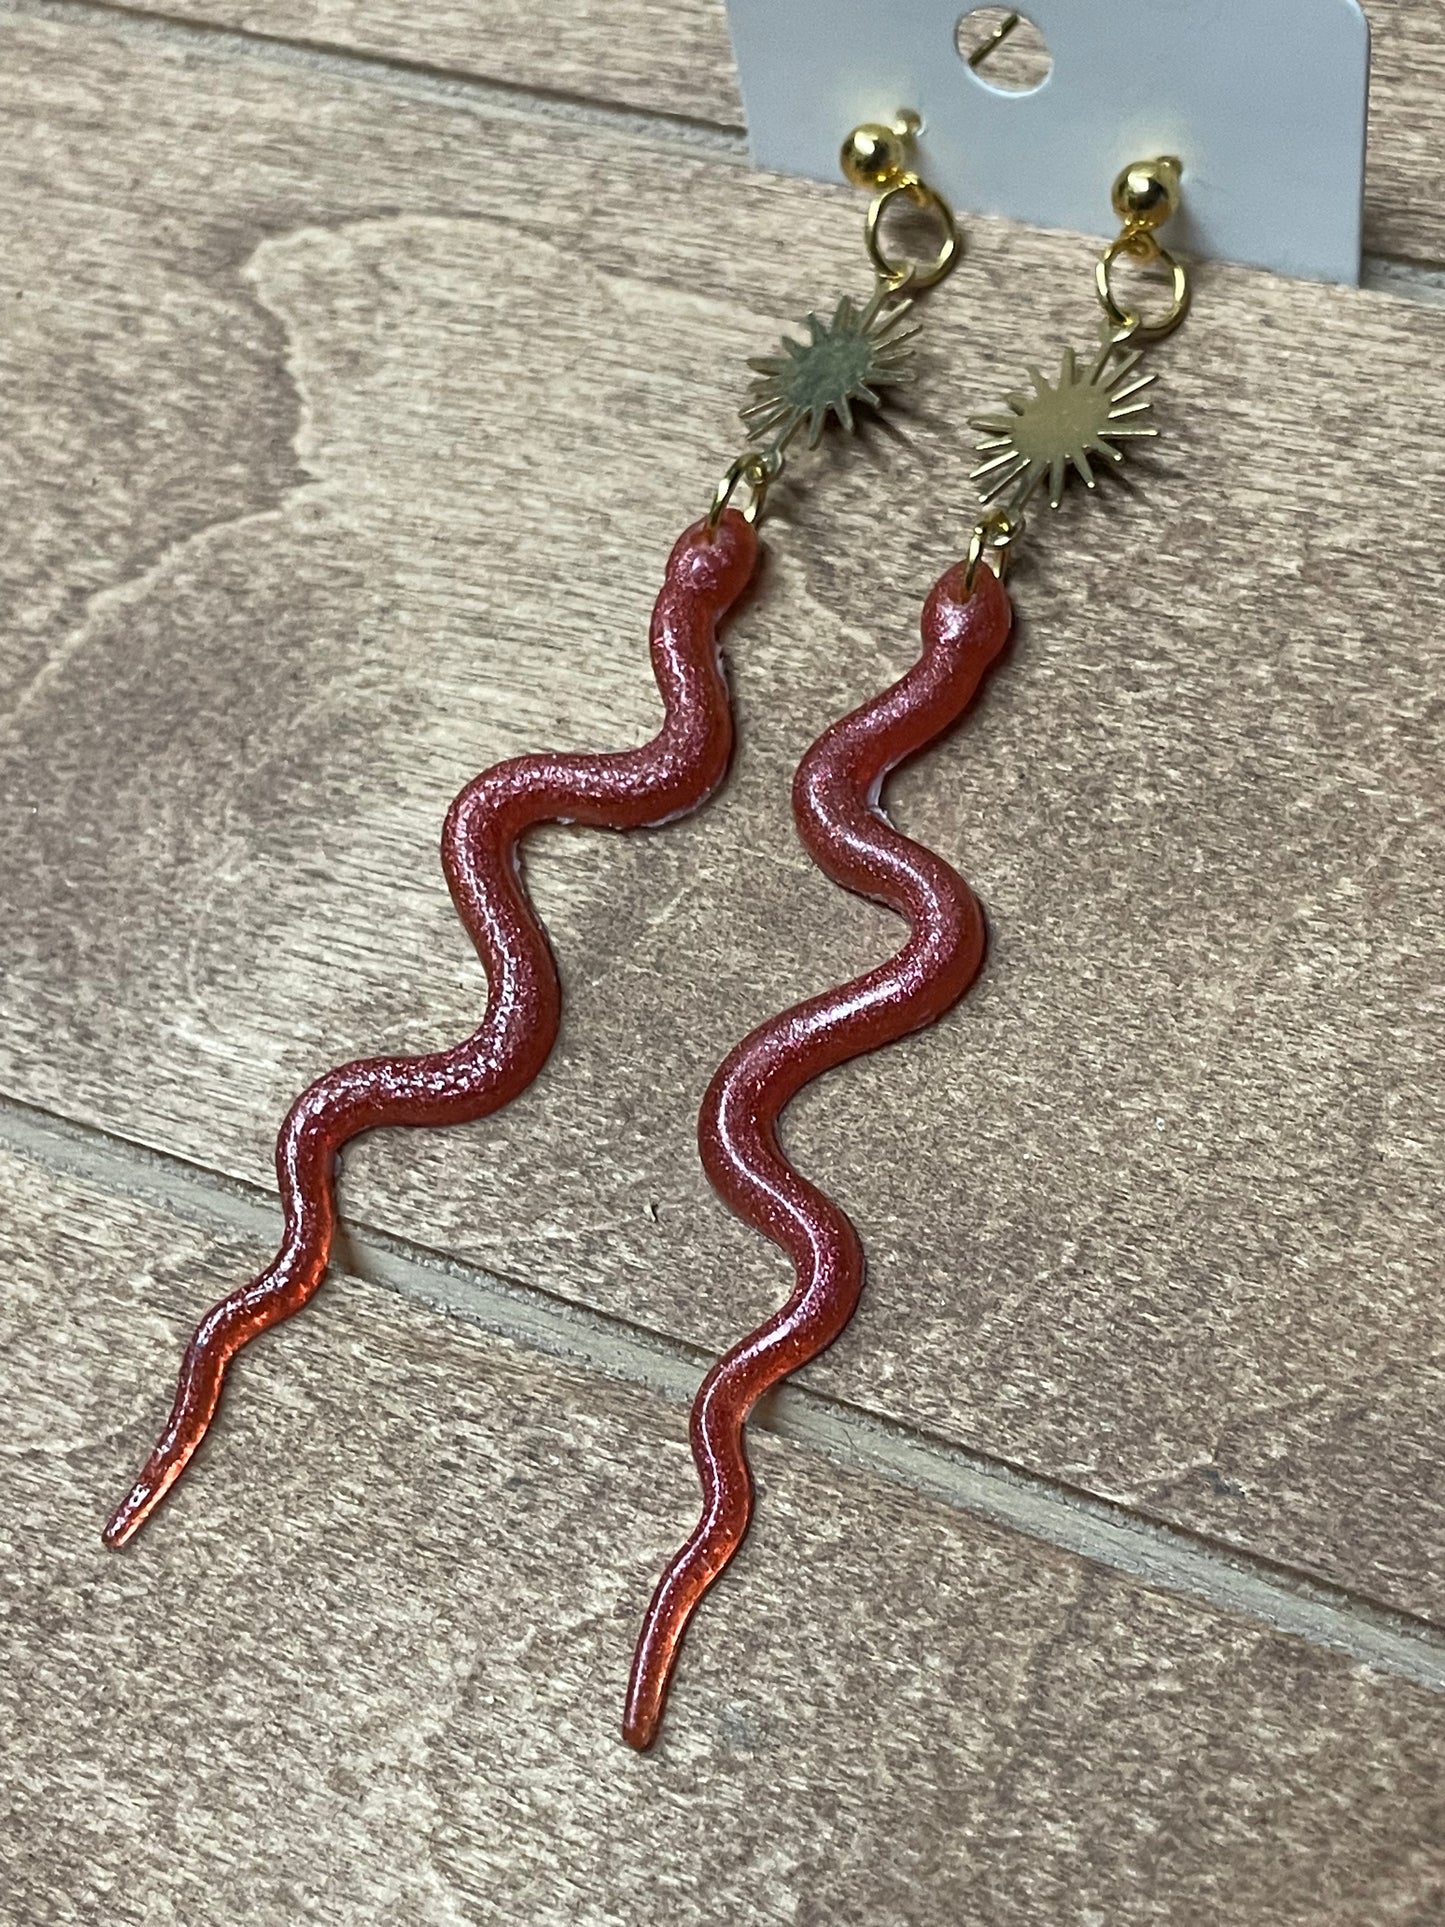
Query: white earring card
x=1264, y=101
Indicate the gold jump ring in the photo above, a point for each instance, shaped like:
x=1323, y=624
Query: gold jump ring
x=753, y=468
x=914, y=274
x=1142, y=247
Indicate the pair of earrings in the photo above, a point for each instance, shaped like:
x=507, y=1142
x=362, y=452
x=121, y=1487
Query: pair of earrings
x=852, y=360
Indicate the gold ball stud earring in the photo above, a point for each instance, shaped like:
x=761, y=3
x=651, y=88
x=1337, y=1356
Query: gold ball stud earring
x=879, y=156
x=1147, y=194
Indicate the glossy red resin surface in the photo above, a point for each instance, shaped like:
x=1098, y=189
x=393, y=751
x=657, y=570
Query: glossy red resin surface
x=835, y=798
x=666, y=778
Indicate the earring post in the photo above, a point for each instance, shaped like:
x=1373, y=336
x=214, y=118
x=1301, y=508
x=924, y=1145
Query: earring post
x=987, y=49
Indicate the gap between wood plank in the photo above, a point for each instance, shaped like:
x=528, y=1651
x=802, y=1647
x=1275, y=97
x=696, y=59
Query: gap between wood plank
x=1408, y=279
x=1161, y=1557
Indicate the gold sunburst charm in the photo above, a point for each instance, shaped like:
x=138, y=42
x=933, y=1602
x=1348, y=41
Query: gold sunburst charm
x=847, y=361
x=1066, y=425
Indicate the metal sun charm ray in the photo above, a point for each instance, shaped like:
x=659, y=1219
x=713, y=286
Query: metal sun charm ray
x=847, y=361
x=1065, y=426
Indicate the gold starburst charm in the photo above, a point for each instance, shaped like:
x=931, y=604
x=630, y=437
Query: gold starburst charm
x=1065, y=426
x=849, y=360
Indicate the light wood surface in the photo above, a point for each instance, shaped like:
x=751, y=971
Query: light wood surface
x=674, y=57
x=1405, y=197
x=338, y=475
x=370, y=1668
x=1156, y=1212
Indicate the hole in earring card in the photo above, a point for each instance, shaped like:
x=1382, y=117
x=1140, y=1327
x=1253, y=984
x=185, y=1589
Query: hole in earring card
x=1004, y=50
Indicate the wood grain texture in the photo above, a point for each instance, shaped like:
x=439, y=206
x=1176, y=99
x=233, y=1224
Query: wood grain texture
x=366, y=481
x=370, y=1669
x=660, y=56
x=674, y=56
x=1405, y=197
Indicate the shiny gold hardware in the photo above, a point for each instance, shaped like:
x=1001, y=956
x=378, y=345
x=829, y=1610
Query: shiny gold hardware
x=993, y=538
x=1143, y=247
x=1089, y=416
x=988, y=48
x=756, y=471
x=854, y=357
x=882, y=158
x=1146, y=195
x=912, y=274
x=879, y=156
x=850, y=359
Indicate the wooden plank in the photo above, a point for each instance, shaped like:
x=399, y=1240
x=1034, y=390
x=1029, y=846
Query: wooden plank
x=1405, y=200
x=325, y=507
x=368, y=1668
x=659, y=56
x=674, y=57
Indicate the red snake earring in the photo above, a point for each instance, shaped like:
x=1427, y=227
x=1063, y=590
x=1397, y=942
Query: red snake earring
x=852, y=359
x=1096, y=408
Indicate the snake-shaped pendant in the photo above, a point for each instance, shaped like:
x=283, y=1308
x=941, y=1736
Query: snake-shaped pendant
x=664, y=779
x=836, y=803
